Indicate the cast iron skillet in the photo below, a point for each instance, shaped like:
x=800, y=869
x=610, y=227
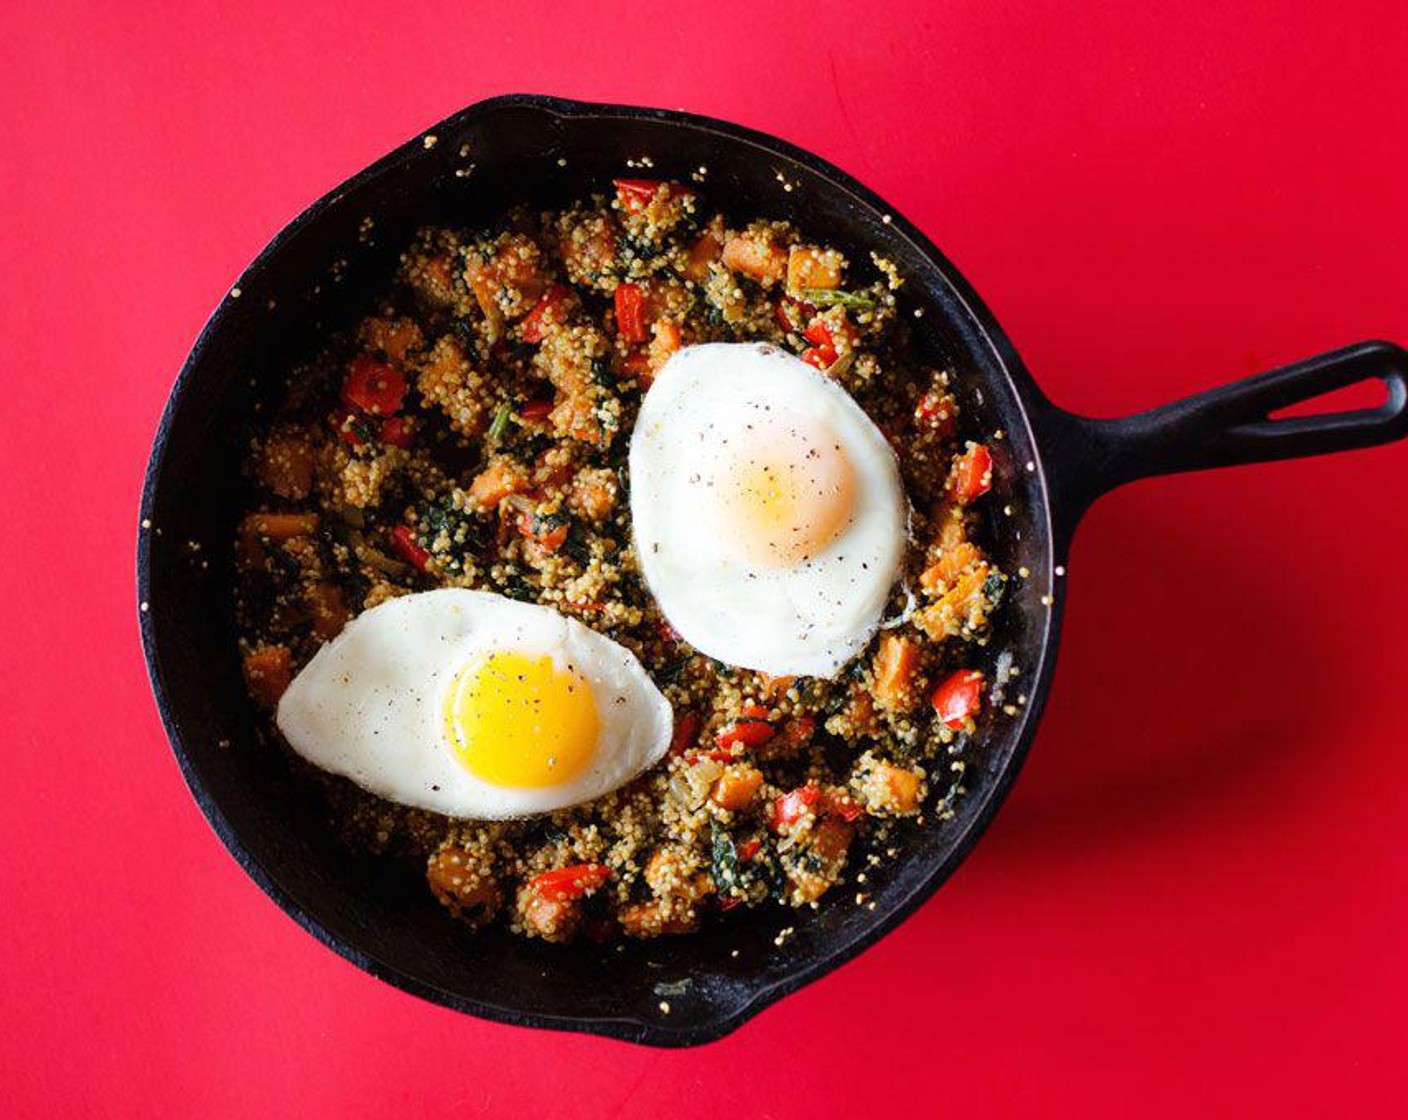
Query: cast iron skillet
x=320, y=272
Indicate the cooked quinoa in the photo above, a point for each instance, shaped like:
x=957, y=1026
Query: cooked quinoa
x=472, y=432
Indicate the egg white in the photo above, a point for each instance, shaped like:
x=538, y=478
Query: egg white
x=805, y=620
x=369, y=705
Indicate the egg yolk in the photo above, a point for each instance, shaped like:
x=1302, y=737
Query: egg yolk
x=518, y=720
x=780, y=499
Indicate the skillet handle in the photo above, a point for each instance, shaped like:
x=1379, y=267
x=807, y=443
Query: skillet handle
x=1224, y=427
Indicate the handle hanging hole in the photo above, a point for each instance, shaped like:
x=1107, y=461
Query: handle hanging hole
x=1369, y=394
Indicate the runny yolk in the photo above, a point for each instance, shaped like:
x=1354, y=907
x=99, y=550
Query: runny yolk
x=517, y=720
x=778, y=502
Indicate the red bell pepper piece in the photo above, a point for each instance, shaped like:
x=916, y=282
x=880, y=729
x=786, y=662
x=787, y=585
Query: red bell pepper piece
x=405, y=545
x=666, y=631
x=351, y=428
x=958, y=697
x=792, y=313
x=548, y=312
x=797, y=732
x=718, y=754
x=843, y=805
x=396, y=431
x=634, y=195
x=549, y=537
x=788, y=809
x=749, y=848
x=566, y=884
x=686, y=731
x=972, y=474
x=536, y=412
x=822, y=353
x=934, y=413
x=630, y=313
x=753, y=730
x=374, y=387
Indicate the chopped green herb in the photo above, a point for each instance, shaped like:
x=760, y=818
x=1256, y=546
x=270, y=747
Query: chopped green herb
x=361, y=429
x=671, y=672
x=443, y=517
x=725, y=859
x=500, y=422
x=835, y=297
x=467, y=337
x=544, y=523
x=520, y=588
x=575, y=548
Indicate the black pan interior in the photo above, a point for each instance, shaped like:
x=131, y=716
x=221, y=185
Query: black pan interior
x=319, y=275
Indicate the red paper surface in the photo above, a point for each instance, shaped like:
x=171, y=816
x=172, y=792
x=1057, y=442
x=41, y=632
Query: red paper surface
x=1195, y=901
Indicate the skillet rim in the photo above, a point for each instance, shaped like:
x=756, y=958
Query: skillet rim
x=1031, y=404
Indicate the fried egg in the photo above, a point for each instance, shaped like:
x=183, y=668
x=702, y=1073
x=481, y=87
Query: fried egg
x=767, y=509
x=476, y=706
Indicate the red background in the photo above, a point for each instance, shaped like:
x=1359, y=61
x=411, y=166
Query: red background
x=1195, y=900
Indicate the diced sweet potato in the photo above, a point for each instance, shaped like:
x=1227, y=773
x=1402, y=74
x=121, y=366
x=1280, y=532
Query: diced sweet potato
x=755, y=256
x=951, y=563
x=888, y=789
x=672, y=871
x=656, y=917
x=593, y=493
x=286, y=465
x=735, y=788
x=446, y=379
x=857, y=718
x=705, y=251
x=812, y=871
x=509, y=280
x=791, y=737
x=281, y=526
x=588, y=249
x=896, y=666
x=830, y=839
x=904, y=786
x=462, y=885
x=432, y=277
x=273, y=528
x=395, y=338
x=566, y=359
x=810, y=267
x=268, y=671
x=502, y=477
x=551, y=919
x=962, y=607
x=666, y=341
x=773, y=687
x=575, y=416
x=481, y=282
x=328, y=609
